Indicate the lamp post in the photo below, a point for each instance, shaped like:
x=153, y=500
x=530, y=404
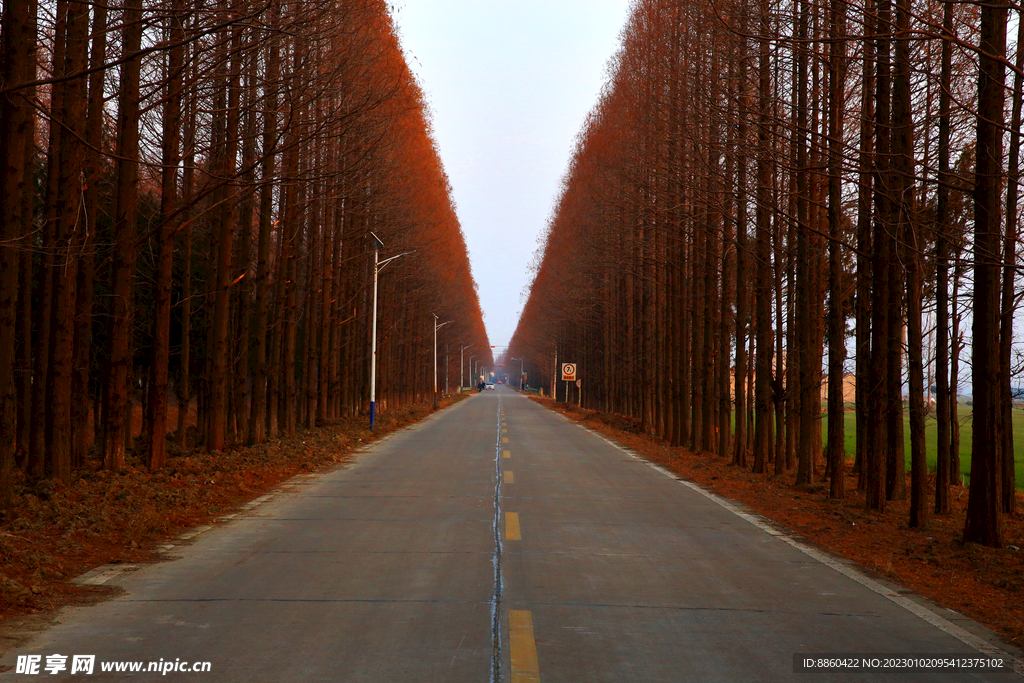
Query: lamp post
x=522, y=361
x=378, y=266
x=436, y=328
x=462, y=365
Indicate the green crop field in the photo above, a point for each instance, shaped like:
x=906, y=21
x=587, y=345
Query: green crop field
x=931, y=439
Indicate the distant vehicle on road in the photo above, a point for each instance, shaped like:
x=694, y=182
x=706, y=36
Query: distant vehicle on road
x=490, y=385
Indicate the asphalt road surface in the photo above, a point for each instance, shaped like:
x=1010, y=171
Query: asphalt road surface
x=497, y=541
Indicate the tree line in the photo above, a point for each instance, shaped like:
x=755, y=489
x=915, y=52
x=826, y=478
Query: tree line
x=188, y=192
x=773, y=194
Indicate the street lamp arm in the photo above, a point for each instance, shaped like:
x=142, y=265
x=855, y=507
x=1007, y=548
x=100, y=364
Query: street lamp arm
x=380, y=265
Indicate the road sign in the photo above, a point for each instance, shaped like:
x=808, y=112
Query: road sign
x=569, y=372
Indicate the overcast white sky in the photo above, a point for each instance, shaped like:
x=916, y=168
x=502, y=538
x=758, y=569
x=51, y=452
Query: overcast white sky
x=510, y=84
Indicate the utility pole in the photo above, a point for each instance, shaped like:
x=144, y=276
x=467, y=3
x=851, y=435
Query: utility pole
x=378, y=266
x=462, y=365
x=377, y=246
x=554, y=378
x=436, y=328
x=522, y=362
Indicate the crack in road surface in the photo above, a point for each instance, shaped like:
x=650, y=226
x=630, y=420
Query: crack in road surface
x=496, y=598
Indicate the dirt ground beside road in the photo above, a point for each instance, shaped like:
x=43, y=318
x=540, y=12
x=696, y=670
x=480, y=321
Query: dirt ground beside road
x=53, y=533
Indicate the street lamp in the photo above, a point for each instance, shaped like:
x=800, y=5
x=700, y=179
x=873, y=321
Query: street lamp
x=378, y=266
x=462, y=365
x=521, y=362
x=436, y=328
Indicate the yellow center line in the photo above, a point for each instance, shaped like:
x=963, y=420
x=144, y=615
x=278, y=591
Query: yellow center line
x=506, y=454
x=512, y=527
x=522, y=647
x=509, y=478
x=504, y=431
x=504, y=439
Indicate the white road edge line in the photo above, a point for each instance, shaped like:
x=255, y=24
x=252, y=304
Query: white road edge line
x=944, y=625
x=100, y=575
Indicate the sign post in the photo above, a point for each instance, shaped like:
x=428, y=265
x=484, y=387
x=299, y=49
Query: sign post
x=568, y=375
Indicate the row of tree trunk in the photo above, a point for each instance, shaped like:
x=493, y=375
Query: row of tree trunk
x=188, y=192
x=758, y=178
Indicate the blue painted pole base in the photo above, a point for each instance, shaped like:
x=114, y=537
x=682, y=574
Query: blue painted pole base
x=373, y=412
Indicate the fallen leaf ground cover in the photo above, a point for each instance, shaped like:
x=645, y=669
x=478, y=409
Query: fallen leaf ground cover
x=986, y=584
x=53, y=532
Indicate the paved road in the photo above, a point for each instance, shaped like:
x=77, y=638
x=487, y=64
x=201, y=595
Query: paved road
x=496, y=541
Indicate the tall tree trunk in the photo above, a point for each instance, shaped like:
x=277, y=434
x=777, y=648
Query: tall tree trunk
x=864, y=249
x=984, y=507
x=244, y=380
x=956, y=336
x=118, y=429
x=876, y=446
x=742, y=296
x=224, y=233
x=762, y=306
x=87, y=266
x=15, y=120
x=69, y=233
x=810, y=395
x=169, y=219
x=1010, y=294
x=836, y=315
x=258, y=403
x=725, y=301
x=742, y=257
x=903, y=150
x=41, y=365
x=183, y=388
x=942, y=399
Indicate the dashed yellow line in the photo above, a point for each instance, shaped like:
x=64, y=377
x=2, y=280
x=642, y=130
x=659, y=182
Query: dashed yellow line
x=504, y=431
x=512, y=527
x=506, y=454
x=509, y=478
x=522, y=647
x=504, y=439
